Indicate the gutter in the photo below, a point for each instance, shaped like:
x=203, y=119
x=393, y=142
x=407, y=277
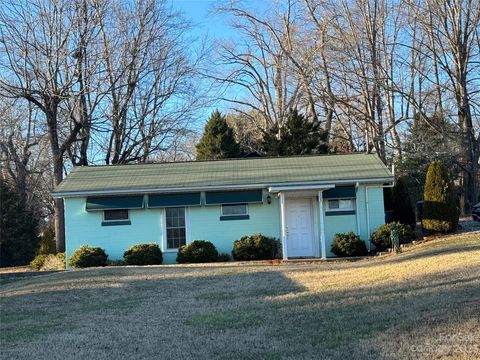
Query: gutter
x=66, y=194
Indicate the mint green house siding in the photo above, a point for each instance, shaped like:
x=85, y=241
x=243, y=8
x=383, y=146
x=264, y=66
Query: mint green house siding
x=85, y=227
x=338, y=224
x=204, y=223
x=376, y=212
x=357, y=222
x=303, y=201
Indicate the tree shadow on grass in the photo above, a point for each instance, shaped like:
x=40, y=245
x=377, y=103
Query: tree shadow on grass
x=225, y=313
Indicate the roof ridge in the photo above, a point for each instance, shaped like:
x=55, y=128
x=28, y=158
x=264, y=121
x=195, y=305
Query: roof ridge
x=225, y=160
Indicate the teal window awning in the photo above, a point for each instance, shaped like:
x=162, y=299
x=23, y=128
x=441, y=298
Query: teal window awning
x=167, y=200
x=339, y=192
x=233, y=197
x=101, y=203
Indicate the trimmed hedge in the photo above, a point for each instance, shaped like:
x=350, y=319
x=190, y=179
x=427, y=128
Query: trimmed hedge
x=198, y=251
x=256, y=247
x=440, y=212
x=87, y=256
x=349, y=244
x=143, y=254
x=381, y=237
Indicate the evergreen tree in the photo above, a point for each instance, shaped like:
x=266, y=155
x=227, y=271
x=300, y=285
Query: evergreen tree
x=402, y=205
x=218, y=141
x=440, y=212
x=18, y=229
x=425, y=142
x=298, y=136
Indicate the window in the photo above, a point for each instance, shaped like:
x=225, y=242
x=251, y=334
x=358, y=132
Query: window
x=115, y=215
x=341, y=204
x=175, y=227
x=234, y=210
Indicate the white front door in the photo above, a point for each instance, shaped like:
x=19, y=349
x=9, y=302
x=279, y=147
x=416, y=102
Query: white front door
x=299, y=227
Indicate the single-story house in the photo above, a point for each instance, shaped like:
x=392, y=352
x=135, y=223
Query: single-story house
x=302, y=200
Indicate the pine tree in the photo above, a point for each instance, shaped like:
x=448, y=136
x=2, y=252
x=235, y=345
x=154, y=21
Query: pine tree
x=440, y=212
x=218, y=141
x=18, y=229
x=402, y=205
x=298, y=136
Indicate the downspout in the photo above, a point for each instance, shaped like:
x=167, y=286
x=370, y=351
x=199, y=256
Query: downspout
x=281, y=195
x=357, y=215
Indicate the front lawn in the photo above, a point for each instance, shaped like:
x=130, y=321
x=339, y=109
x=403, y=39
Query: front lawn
x=420, y=304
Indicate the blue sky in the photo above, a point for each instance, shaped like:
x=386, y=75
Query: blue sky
x=205, y=23
x=199, y=12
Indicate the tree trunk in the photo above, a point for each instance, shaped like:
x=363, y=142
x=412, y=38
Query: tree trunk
x=59, y=225
x=471, y=150
x=51, y=115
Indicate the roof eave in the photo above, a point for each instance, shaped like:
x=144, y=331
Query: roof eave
x=68, y=194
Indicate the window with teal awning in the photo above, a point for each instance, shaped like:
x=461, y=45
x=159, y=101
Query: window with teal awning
x=100, y=203
x=169, y=200
x=339, y=192
x=233, y=197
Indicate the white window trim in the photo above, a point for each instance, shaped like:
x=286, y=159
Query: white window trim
x=116, y=220
x=233, y=215
x=352, y=208
x=165, y=248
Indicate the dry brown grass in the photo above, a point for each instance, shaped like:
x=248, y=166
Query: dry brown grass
x=423, y=303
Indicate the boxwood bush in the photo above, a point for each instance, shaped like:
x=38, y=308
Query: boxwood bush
x=198, y=251
x=381, y=236
x=349, y=244
x=256, y=247
x=143, y=254
x=87, y=256
x=37, y=263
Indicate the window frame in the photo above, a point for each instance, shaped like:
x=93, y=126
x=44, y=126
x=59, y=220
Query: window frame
x=115, y=220
x=234, y=215
x=165, y=247
x=353, y=202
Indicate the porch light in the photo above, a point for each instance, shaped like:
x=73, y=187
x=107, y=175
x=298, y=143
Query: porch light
x=269, y=199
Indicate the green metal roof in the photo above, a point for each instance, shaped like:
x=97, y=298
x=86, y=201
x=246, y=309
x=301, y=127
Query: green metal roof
x=249, y=172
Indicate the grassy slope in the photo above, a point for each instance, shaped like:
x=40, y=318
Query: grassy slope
x=375, y=308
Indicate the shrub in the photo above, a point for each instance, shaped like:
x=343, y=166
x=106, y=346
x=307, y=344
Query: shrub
x=198, y=251
x=47, y=240
x=256, y=247
x=38, y=262
x=402, y=205
x=440, y=212
x=54, y=262
x=381, y=236
x=348, y=244
x=116, y=263
x=143, y=254
x=224, y=257
x=18, y=227
x=87, y=256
